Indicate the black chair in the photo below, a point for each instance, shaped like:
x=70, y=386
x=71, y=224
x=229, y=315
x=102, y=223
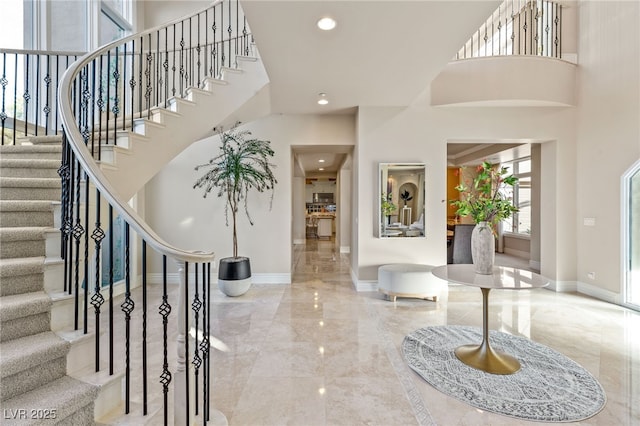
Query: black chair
x=461, y=251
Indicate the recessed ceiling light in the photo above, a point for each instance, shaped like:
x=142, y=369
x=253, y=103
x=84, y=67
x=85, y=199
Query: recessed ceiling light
x=321, y=161
x=321, y=168
x=322, y=99
x=327, y=23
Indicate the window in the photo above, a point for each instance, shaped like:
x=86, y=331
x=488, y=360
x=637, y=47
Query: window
x=115, y=20
x=520, y=222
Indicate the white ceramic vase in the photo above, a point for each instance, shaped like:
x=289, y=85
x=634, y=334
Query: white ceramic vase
x=483, y=248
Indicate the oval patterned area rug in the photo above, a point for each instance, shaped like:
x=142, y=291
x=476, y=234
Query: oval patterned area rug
x=549, y=387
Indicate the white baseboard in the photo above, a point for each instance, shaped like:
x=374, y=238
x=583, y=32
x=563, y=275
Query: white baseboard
x=599, y=293
x=562, y=286
x=345, y=249
x=299, y=241
x=367, y=285
x=174, y=278
x=517, y=253
x=284, y=278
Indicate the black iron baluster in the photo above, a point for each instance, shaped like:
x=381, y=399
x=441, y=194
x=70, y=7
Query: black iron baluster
x=237, y=29
x=198, y=63
x=47, y=108
x=158, y=72
x=3, y=82
x=189, y=76
x=182, y=67
x=108, y=110
x=165, y=65
x=164, y=311
x=229, y=31
x=15, y=97
x=245, y=37
x=132, y=82
x=197, y=361
x=92, y=114
x=100, y=103
x=206, y=41
x=147, y=74
x=26, y=96
x=36, y=108
x=144, y=328
x=65, y=227
x=186, y=339
x=57, y=80
x=77, y=232
x=558, y=31
x=116, y=100
x=85, y=311
x=214, y=48
x=140, y=110
x=222, y=54
x=124, y=92
x=111, y=311
x=97, y=300
x=204, y=345
x=69, y=276
x=173, y=64
x=127, y=307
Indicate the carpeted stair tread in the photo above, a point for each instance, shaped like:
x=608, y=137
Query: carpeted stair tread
x=20, y=242
x=23, y=233
x=22, y=305
x=24, y=314
x=30, y=351
x=30, y=188
x=65, y=395
x=21, y=266
x=24, y=167
x=25, y=205
x=16, y=213
x=38, y=140
x=29, y=182
x=37, y=148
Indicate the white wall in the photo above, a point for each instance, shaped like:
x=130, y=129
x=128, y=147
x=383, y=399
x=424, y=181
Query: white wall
x=420, y=134
x=608, y=132
x=183, y=217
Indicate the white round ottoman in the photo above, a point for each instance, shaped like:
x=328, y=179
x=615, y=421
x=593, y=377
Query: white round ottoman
x=409, y=280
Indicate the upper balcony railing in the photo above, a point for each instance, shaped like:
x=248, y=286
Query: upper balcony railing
x=30, y=82
x=518, y=27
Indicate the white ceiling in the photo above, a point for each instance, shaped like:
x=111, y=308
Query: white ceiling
x=382, y=52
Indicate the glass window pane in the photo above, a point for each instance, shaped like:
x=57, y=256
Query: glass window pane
x=109, y=30
x=524, y=166
x=11, y=20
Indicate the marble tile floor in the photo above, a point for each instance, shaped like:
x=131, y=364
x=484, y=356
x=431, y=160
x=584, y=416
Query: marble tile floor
x=316, y=352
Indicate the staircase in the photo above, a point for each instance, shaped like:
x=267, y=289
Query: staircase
x=35, y=388
x=33, y=363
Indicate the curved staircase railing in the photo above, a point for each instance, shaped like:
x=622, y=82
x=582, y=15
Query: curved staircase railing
x=103, y=96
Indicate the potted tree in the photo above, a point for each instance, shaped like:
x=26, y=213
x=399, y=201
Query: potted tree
x=485, y=200
x=243, y=164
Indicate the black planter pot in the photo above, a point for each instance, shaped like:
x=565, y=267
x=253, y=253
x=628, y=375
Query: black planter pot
x=234, y=275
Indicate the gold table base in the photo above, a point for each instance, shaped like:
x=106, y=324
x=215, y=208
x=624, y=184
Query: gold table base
x=483, y=356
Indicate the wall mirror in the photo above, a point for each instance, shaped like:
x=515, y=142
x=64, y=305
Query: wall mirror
x=401, y=200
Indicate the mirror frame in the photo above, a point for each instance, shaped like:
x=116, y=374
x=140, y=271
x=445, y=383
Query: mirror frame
x=395, y=179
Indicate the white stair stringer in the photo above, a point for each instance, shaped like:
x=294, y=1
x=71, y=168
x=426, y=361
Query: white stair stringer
x=185, y=121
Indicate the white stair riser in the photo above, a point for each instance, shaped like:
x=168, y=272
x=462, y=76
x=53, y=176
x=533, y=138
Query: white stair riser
x=81, y=354
x=63, y=313
x=110, y=397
